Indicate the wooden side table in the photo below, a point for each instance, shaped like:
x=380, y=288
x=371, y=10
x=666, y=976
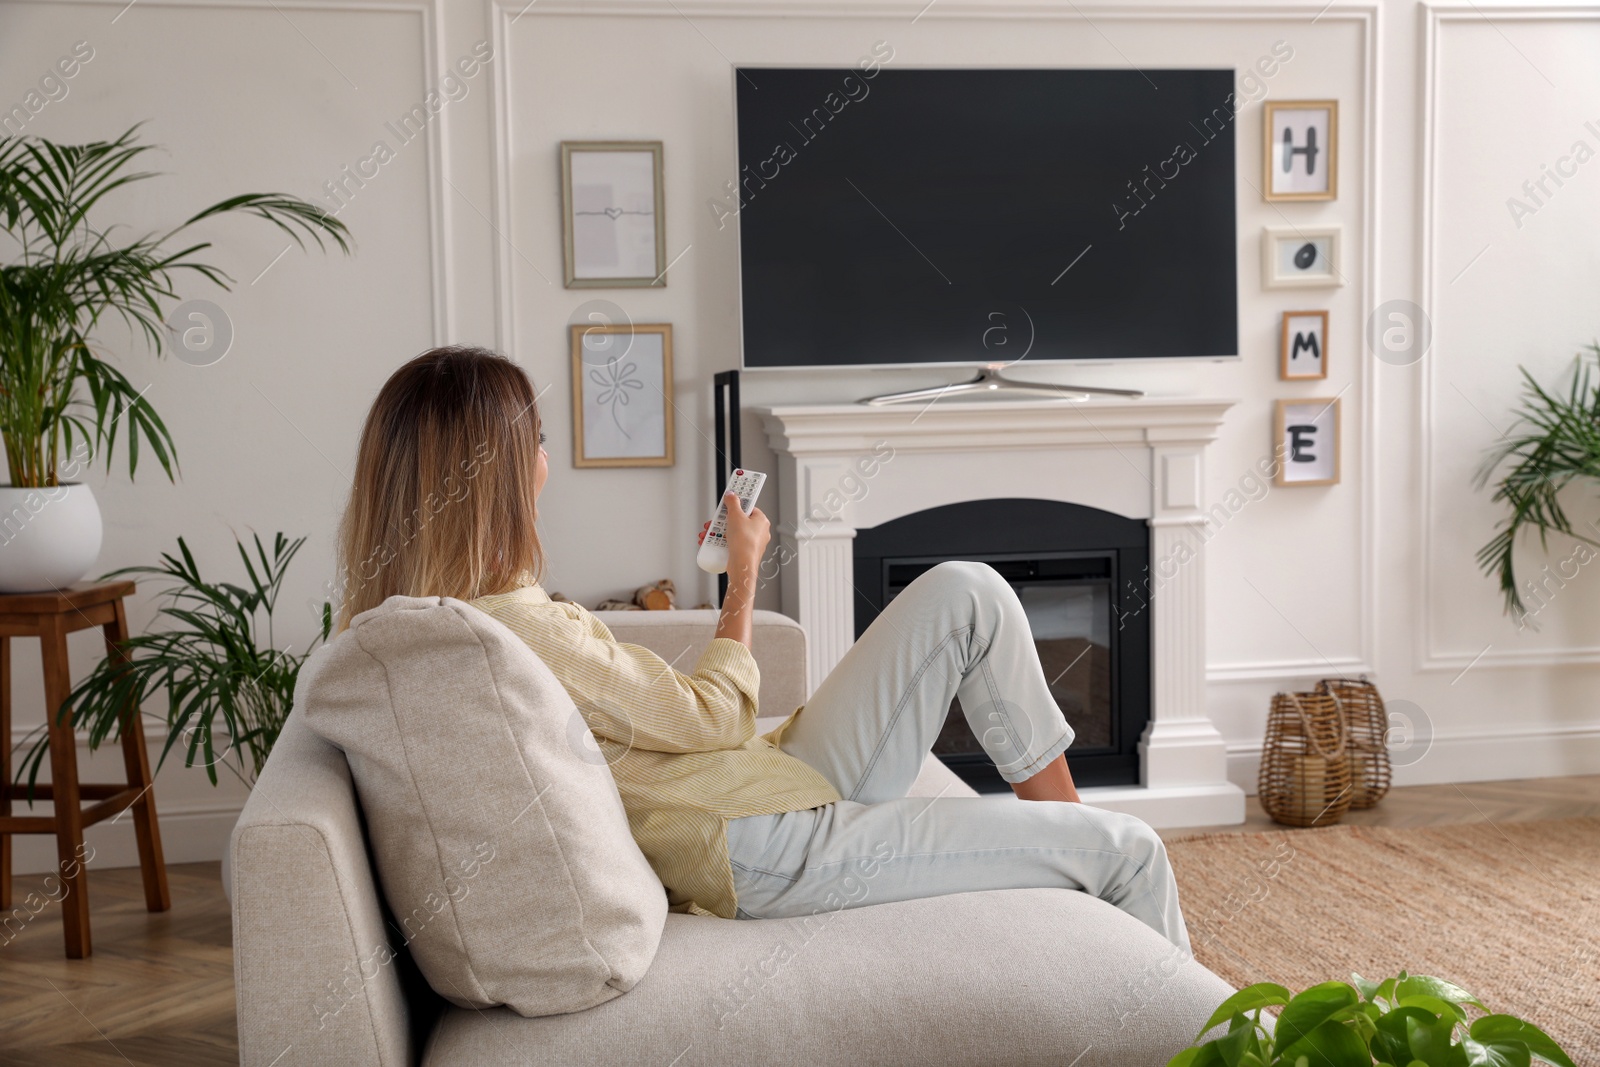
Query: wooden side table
x=51, y=617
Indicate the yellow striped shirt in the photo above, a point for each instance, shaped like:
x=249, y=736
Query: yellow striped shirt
x=682, y=747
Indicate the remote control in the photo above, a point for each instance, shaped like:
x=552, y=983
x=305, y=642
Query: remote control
x=713, y=555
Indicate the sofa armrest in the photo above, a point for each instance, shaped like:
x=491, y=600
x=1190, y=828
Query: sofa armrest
x=779, y=646
x=314, y=976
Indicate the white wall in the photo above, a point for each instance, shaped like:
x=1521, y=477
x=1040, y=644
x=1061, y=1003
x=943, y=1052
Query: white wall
x=1444, y=113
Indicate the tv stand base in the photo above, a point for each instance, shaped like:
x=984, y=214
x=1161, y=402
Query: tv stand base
x=990, y=380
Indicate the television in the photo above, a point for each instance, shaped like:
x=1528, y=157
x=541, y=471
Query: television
x=984, y=216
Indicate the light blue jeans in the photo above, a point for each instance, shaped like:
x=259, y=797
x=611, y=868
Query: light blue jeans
x=958, y=630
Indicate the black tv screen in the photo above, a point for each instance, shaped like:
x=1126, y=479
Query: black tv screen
x=985, y=216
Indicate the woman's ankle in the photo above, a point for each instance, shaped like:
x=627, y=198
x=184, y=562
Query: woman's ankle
x=1053, y=782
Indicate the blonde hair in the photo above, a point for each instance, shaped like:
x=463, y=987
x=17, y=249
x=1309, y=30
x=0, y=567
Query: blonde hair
x=443, y=498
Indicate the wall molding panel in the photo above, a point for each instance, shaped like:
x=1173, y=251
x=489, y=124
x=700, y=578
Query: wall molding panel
x=1288, y=670
x=1436, y=19
x=433, y=61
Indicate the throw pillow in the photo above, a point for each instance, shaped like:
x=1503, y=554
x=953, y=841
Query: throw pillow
x=503, y=852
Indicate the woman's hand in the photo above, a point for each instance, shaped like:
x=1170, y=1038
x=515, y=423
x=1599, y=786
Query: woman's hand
x=747, y=536
x=747, y=542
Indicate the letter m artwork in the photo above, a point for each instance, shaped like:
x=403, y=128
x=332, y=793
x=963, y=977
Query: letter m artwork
x=1305, y=341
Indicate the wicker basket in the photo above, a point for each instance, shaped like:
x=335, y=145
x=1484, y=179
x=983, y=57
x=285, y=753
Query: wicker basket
x=1305, y=765
x=1366, y=725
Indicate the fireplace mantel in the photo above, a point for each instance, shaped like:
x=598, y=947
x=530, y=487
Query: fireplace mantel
x=844, y=467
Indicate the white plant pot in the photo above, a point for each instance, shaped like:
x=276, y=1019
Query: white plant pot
x=49, y=538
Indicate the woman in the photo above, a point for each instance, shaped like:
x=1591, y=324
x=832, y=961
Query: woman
x=811, y=817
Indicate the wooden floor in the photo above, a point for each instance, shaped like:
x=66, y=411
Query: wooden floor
x=158, y=990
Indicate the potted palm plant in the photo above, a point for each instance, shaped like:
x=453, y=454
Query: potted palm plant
x=215, y=660
x=62, y=403
x=1554, y=444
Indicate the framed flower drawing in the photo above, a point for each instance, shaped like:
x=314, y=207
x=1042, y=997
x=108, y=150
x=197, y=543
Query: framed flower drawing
x=622, y=395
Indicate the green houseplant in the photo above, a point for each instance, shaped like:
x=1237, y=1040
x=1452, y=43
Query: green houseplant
x=62, y=402
x=1554, y=443
x=228, y=687
x=1405, y=1021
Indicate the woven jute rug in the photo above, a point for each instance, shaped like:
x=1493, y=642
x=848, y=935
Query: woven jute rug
x=1510, y=911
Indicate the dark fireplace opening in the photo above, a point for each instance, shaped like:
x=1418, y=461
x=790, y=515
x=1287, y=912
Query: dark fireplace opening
x=1080, y=575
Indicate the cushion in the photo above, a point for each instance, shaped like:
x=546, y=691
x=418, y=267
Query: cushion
x=502, y=850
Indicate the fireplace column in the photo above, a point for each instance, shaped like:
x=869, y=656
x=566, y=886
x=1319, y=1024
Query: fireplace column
x=818, y=591
x=1180, y=747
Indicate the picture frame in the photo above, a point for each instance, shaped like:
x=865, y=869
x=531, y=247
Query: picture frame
x=622, y=409
x=1303, y=346
x=1307, y=439
x=1301, y=257
x=613, y=214
x=1300, y=150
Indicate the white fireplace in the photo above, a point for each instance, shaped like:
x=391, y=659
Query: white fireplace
x=846, y=467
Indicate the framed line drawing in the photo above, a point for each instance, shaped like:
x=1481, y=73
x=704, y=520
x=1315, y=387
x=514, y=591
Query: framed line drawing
x=1300, y=257
x=1306, y=437
x=1300, y=150
x=613, y=214
x=1303, y=345
x=622, y=395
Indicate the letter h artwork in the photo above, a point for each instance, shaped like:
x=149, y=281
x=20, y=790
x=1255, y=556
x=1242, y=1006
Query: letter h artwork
x=1300, y=150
